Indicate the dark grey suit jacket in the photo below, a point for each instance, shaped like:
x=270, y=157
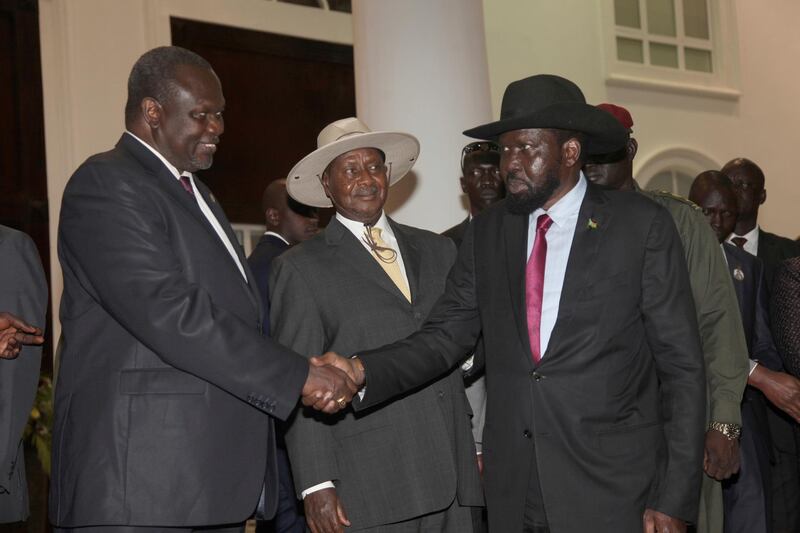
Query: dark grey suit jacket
x=617, y=405
x=165, y=381
x=400, y=460
x=23, y=292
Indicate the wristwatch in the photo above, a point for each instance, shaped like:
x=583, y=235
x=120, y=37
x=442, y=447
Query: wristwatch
x=731, y=431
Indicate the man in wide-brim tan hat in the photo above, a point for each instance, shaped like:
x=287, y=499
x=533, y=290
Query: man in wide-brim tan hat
x=407, y=465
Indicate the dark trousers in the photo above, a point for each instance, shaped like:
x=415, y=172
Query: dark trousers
x=237, y=528
x=744, y=496
x=289, y=516
x=785, y=472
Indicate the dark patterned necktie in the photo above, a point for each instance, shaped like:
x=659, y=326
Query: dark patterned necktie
x=739, y=241
x=534, y=285
x=186, y=181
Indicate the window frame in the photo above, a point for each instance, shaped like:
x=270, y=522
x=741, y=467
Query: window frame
x=722, y=83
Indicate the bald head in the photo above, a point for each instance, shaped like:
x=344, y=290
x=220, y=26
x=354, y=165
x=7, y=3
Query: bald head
x=291, y=220
x=713, y=191
x=748, y=183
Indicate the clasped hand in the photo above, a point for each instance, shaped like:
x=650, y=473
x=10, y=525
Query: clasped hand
x=332, y=381
x=14, y=332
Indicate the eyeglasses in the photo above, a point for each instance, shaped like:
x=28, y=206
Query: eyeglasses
x=480, y=146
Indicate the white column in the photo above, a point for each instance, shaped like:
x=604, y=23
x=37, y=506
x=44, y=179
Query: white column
x=420, y=67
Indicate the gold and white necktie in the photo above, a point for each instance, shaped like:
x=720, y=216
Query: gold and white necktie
x=387, y=259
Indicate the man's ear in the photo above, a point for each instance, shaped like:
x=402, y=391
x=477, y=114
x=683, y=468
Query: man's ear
x=762, y=197
x=324, y=181
x=571, y=152
x=273, y=217
x=463, y=183
x=152, y=111
x=632, y=148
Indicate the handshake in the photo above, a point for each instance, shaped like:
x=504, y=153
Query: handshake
x=332, y=382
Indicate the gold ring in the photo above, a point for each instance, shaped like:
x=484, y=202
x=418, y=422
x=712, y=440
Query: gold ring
x=341, y=401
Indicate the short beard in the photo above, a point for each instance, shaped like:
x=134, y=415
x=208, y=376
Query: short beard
x=525, y=203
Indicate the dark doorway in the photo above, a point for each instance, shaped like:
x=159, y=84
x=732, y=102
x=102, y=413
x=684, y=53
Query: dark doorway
x=280, y=92
x=23, y=176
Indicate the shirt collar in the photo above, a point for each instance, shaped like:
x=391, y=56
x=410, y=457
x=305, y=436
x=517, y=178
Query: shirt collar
x=751, y=235
x=357, y=228
x=567, y=207
x=278, y=235
x=167, y=164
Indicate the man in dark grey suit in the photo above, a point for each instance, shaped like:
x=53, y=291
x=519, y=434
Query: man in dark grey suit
x=23, y=291
x=166, y=388
x=407, y=465
x=595, y=376
x=749, y=184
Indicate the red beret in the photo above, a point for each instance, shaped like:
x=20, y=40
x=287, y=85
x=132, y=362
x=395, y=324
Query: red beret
x=619, y=113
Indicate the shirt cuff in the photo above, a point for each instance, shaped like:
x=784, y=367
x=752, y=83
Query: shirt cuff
x=753, y=365
x=319, y=486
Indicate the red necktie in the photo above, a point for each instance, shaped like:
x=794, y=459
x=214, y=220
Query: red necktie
x=739, y=241
x=187, y=184
x=534, y=285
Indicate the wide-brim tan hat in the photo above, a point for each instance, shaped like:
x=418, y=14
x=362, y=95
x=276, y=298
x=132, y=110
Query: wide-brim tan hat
x=304, y=182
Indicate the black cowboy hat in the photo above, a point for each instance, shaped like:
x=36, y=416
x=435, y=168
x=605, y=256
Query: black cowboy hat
x=551, y=102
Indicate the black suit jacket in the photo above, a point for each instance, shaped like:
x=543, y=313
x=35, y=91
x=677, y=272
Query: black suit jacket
x=457, y=232
x=165, y=381
x=773, y=250
x=751, y=292
x=617, y=405
x=268, y=248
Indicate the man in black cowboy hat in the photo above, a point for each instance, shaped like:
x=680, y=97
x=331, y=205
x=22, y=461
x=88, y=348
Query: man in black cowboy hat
x=595, y=381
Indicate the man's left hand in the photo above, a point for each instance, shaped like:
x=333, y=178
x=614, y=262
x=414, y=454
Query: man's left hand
x=14, y=332
x=655, y=522
x=780, y=388
x=721, y=456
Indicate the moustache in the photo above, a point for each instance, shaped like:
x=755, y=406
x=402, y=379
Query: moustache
x=370, y=190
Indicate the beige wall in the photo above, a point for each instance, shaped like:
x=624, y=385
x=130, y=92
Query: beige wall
x=566, y=37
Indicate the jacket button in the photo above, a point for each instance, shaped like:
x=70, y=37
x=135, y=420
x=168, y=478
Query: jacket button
x=526, y=434
x=536, y=376
x=440, y=393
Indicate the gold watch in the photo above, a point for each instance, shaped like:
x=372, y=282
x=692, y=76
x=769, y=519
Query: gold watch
x=731, y=431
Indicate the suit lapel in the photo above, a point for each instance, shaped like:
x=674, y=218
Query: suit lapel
x=411, y=260
x=217, y=211
x=167, y=181
x=515, y=233
x=594, y=218
x=345, y=245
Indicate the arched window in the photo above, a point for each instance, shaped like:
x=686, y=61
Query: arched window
x=673, y=170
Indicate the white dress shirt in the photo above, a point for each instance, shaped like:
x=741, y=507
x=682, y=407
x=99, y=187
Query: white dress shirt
x=751, y=246
x=357, y=229
x=200, y=202
x=564, y=214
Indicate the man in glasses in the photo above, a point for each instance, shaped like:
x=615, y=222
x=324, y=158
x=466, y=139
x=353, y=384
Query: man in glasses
x=748, y=184
x=481, y=182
